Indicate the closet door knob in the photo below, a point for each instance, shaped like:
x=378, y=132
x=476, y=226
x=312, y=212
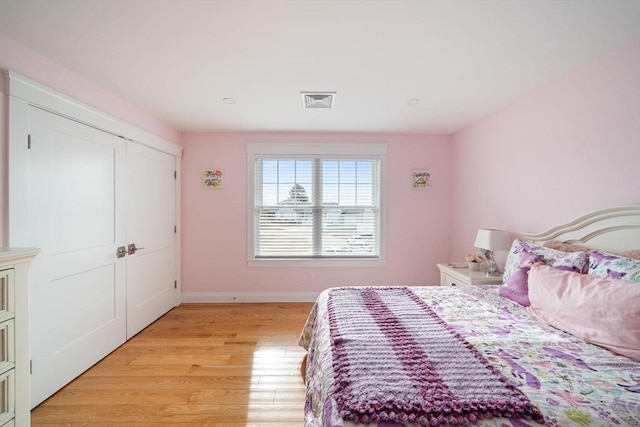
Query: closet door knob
x=121, y=251
x=131, y=249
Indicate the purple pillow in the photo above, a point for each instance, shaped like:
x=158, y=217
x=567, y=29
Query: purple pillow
x=516, y=288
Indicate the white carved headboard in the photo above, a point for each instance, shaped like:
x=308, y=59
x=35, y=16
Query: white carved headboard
x=612, y=230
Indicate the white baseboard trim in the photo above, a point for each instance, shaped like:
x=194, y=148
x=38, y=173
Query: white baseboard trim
x=240, y=297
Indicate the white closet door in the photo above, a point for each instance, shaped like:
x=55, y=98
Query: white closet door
x=74, y=211
x=151, y=221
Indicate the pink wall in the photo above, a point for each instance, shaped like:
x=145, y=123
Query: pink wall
x=566, y=149
x=214, y=255
x=569, y=148
x=16, y=57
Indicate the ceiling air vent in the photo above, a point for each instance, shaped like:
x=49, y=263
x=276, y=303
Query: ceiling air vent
x=317, y=99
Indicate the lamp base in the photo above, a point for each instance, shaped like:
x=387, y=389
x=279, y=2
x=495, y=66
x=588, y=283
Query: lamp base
x=492, y=270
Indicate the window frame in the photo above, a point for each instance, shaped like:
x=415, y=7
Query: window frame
x=351, y=150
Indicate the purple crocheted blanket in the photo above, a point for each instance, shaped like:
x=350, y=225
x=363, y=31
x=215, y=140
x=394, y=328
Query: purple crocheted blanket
x=395, y=360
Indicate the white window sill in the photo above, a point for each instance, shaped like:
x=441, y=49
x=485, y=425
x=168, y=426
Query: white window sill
x=331, y=262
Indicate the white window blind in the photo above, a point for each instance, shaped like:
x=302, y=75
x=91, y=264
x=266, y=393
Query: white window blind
x=320, y=205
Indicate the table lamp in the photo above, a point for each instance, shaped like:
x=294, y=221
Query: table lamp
x=489, y=240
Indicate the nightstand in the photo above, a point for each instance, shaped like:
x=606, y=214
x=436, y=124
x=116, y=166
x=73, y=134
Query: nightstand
x=450, y=276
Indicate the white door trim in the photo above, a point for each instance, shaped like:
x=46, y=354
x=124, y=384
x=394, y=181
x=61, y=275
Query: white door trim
x=48, y=99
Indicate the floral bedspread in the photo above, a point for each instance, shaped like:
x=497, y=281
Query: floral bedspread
x=572, y=382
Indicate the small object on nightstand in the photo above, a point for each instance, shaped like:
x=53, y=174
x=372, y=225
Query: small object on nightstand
x=458, y=265
x=451, y=276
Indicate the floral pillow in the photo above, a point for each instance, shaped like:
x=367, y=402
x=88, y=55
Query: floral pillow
x=571, y=261
x=603, y=264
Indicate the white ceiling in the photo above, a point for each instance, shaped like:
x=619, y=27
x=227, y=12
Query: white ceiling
x=177, y=59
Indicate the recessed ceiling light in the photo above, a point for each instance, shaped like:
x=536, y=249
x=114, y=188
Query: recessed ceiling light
x=228, y=100
x=413, y=101
x=317, y=99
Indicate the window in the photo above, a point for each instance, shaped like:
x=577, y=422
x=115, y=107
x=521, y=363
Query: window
x=315, y=203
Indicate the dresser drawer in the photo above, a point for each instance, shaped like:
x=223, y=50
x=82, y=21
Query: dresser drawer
x=7, y=398
x=14, y=336
x=6, y=294
x=7, y=340
x=447, y=280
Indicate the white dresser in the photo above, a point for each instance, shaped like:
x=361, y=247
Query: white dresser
x=14, y=336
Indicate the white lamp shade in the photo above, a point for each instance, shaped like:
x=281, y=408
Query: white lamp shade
x=493, y=240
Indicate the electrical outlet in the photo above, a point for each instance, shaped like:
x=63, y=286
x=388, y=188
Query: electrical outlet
x=310, y=275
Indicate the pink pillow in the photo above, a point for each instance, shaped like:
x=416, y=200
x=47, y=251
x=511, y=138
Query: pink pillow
x=599, y=310
x=634, y=253
x=565, y=247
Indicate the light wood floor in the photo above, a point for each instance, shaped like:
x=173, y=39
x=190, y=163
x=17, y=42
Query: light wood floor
x=219, y=365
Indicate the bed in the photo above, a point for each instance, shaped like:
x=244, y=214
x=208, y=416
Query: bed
x=435, y=355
